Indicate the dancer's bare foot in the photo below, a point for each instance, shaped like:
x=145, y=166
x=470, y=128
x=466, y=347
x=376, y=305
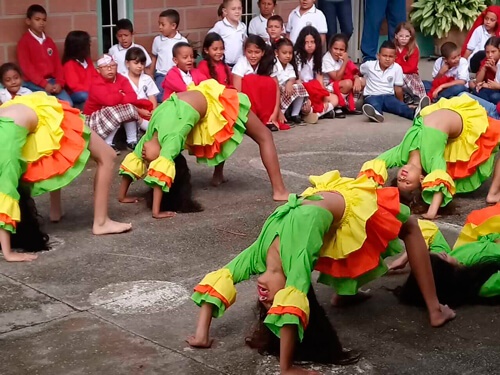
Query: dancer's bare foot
x=343, y=301
x=111, y=227
x=218, y=180
x=130, y=199
x=440, y=317
x=280, y=196
x=204, y=343
x=164, y=215
x=20, y=257
x=493, y=197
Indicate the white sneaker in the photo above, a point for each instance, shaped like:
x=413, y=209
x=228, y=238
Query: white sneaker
x=424, y=102
x=372, y=113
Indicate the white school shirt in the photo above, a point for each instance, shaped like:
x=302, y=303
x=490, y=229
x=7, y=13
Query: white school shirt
x=186, y=77
x=477, y=40
x=378, y=81
x=458, y=72
x=329, y=64
x=233, y=39
x=313, y=17
x=497, y=76
x=147, y=87
x=258, y=26
x=5, y=95
x=39, y=40
x=243, y=67
x=283, y=74
x=306, y=72
x=118, y=52
x=162, y=49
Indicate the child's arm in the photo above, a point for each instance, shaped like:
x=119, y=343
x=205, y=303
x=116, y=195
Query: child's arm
x=467, y=53
x=398, y=92
x=480, y=74
x=152, y=66
x=8, y=254
x=237, y=82
x=288, y=334
x=122, y=193
x=157, y=213
x=437, y=200
x=278, y=116
x=441, y=71
x=448, y=84
x=323, y=42
x=201, y=338
x=152, y=99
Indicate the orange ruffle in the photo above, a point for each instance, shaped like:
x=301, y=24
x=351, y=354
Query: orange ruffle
x=160, y=176
x=231, y=103
x=282, y=310
x=202, y=289
x=478, y=217
x=381, y=228
x=437, y=183
x=486, y=144
x=71, y=147
x=7, y=220
x=370, y=173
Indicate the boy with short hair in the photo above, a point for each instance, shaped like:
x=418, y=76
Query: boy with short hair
x=384, y=86
x=232, y=31
x=125, y=36
x=38, y=57
x=274, y=29
x=168, y=23
x=306, y=14
x=258, y=24
x=450, y=74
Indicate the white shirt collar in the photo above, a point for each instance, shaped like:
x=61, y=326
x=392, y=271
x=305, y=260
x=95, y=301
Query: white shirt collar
x=177, y=36
x=40, y=40
x=262, y=19
x=377, y=66
x=120, y=48
x=226, y=22
x=310, y=10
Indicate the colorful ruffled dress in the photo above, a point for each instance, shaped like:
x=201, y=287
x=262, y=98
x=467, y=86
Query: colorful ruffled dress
x=347, y=254
x=48, y=158
x=211, y=139
x=478, y=242
x=458, y=165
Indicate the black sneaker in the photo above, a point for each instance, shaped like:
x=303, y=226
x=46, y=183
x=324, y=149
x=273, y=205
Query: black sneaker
x=297, y=120
x=424, y=102
x=131, y=146
x=339, y=113
x=272, y=127
x=328, y=115
x=372, y=113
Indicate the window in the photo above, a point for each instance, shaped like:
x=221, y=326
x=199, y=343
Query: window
x=250, y=9
x=108, y=12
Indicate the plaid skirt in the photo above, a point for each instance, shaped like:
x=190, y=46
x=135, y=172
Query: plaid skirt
x=414, y=85
x=299, y=91
x=107, y=119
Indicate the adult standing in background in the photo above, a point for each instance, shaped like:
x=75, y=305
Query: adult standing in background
x=375, y=12
x=337, y=9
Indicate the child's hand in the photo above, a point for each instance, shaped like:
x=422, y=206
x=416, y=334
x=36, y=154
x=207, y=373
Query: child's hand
x=437, y=91
x=429, y=216
x=203, y=343
x=281, y=117
x=144, y=113
x=357, y=86
x=130, y=199
x=56, y=89
x=289, y=88
x=493, y=84
x=163, y=214
x=444, y=68
x=49, y=88
x=19, y=257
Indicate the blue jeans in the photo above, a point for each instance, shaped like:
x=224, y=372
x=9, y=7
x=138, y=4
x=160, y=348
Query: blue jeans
x=490, y=108
x=341, y=10
x=427, y=85
x=63, y=95
x=493, y=96
x=390, y=104
x=452, y=91
x=375, y=12
x=79, y=97
x=159, y=80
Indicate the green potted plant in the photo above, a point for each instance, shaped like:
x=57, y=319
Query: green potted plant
x=446, y=20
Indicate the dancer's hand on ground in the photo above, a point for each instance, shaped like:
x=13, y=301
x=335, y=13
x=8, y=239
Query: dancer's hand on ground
x=201, y=343
x=428, y=216
x=20, y=257
x=164, y=214
x=130, y=199
x=299, y=371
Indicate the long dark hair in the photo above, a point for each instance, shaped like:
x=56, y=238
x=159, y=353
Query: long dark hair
x=267, y=61
x=320, y=344
x=209, y=40
x=29, y=236
x=287, y=42
x=180, y=196
x=76, y=46
x=455, y=285
x=300, y=48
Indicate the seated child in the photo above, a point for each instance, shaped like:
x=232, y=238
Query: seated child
x=341, y=75
x=11, y=80
x=258, y=24
x=314, y=232
x=274, y=29
x=146, y=91
x=183, y=73
x=78, y=67
x=308, y=54
x=306, y=14
x=110, y=102
x=485, y=26
x=57, y=143
x=408, y=56
x=232, y=30
x=168, y=22
x=293, y=94
x=38, y=57
x=214, y=64
x=125, y=36
x=384, y=86
x=488, y=77
x=450, y=74
x=184, y=121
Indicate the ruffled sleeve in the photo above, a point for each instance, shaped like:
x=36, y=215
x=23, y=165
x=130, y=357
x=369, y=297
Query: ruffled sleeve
x=133, y=167
x=438, y=181
x=434, y=239
x=375, y=169
x=161, y=172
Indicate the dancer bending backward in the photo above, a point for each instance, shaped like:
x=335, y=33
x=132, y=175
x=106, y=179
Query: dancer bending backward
x=449, y=149
x=46, y=146
x=341, y=227
x=209, y=120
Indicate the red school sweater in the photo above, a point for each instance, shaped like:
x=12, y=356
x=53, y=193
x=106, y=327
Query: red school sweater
x=410, y=63
x=39, y=62
x=104, y=93
x=220, y=69
x=77, y=77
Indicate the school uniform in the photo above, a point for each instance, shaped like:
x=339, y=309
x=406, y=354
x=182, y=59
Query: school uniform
x=329, y=64
x=317, y=93
x=233, y=37
x=490, y=95
x=5, y=95
x=313, y=17
x=461, y=71
x=118, y=52
x=243, y=67
x=258, y=26
x=283, y=74
x=477, y=40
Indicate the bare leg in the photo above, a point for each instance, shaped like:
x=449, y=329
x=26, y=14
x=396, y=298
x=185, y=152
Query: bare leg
x=420, y=263
x=218, y=176
x=494, y=193
x=55, y=206
x=104, y=156
x=263, y=137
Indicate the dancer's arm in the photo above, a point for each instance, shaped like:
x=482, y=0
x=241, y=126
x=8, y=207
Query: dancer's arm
x=122, y=193
x=201, y=338
x=288, y=336
x=437, y=200
x=157, y=213
x=8, y=254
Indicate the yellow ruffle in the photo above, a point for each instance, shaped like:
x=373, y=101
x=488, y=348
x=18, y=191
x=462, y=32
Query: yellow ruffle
x=378, y=167
x=432, y=180
x=135, y=165
x=360, y=204
x=222, y=281
x=164, y=166
x=292, y=297
x=475, y=123
x=471, y=232
x=10, y=207
x=48, y=133
x=213, y=122
x=429, y=231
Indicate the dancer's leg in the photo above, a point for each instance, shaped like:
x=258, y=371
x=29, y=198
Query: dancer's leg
x=55, y=206
x=218, y=176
